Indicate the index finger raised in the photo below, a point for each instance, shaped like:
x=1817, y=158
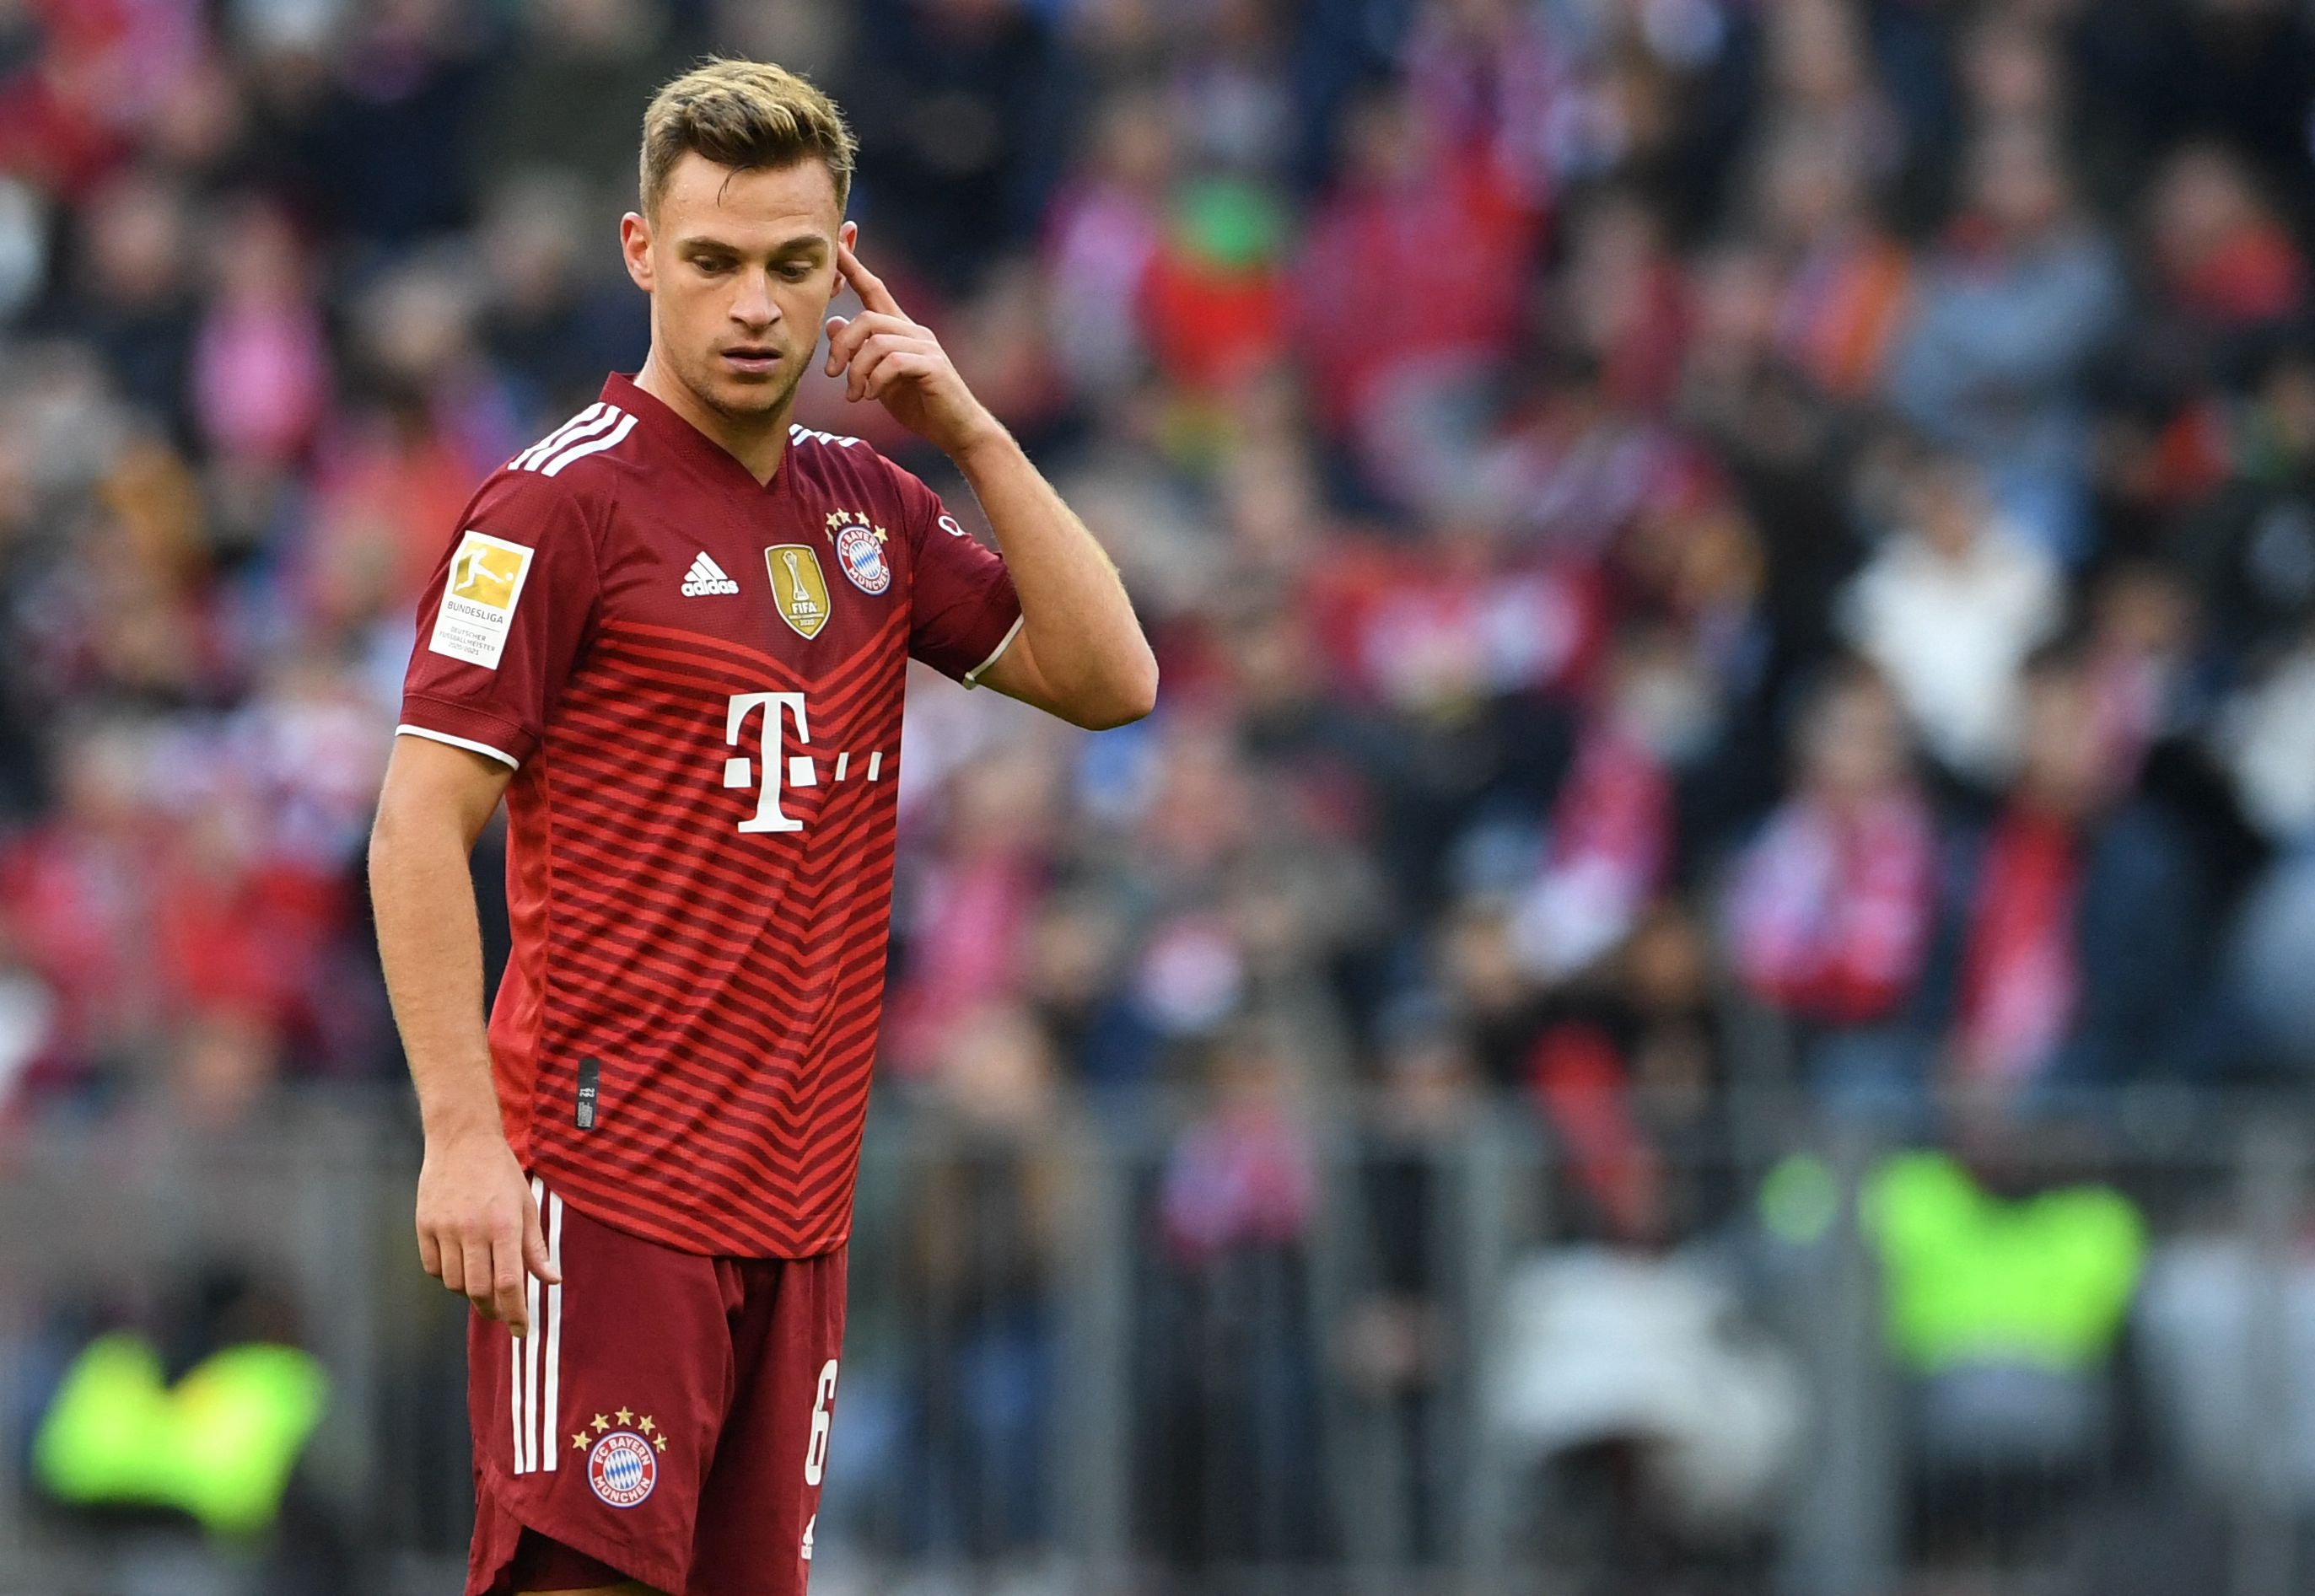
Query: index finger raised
x=865, y=283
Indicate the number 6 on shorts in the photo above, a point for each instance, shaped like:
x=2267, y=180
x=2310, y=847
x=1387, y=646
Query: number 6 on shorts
x=815, y=1456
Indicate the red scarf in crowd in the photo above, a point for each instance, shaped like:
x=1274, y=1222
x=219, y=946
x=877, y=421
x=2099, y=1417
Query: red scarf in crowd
x=2019, y=976
x=1832, y=908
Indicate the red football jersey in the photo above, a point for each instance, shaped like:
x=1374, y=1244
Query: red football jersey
x=697, y=680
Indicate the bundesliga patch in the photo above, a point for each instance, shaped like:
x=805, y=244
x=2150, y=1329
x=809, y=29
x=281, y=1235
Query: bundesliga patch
x=798, y=585
x=860, y=551
x=623, y=1468
x=486, y=578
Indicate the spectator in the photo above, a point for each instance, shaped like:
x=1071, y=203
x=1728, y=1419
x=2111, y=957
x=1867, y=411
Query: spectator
x=569, y=60
x=1107, y=228
x=2248, y=544
x=1232, y=1420
x=1630, y=1080
x=137, y=296
x=1399, y=1343
x=1948, y=609
x=1403, y=184
x=2225, y=260
x=2082, y=950
x=1829, y=914
x=989, y=1233
x=1608, y=846
x=2006, y=322
x=1845, y=282
x=959, y=111
x=259, y=363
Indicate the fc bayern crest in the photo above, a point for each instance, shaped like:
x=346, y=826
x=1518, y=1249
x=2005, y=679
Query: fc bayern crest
x=860, y=551
x=623, y=1468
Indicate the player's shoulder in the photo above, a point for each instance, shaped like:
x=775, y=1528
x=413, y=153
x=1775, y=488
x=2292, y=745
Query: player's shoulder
x=835, y=463
x=568, y=475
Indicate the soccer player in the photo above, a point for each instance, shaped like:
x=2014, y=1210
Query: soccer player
x=674, y=633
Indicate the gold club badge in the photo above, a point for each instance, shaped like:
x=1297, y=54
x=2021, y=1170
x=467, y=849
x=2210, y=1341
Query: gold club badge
x=799, y=586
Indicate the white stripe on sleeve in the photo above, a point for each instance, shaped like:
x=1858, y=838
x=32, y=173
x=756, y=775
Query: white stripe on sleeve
x=468, y=744
x=609, y=419
x=557, y=438
x=609, y=440
x=972, y=677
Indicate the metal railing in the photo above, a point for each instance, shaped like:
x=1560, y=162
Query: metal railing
x=1048, y=1385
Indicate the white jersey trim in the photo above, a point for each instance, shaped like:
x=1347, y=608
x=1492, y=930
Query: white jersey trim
x=407, y=729
x=548, y=445
x=595, y=429
x=798, y=432
x=972, y=677
x=610, y=440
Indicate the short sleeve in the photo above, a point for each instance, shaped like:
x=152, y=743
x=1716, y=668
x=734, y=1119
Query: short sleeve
x=963, y=611
x=503, y=619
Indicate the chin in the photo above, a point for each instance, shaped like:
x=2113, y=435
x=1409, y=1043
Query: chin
x=745, y=399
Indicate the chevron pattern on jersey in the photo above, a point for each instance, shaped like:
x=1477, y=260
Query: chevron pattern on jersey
x=730, y=985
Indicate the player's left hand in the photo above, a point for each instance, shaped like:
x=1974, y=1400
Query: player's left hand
x=884, y=355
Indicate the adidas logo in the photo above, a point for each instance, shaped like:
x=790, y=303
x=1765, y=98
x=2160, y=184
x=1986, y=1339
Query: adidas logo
x=705, y=577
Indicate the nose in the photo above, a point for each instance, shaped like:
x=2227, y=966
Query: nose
x=755, y=308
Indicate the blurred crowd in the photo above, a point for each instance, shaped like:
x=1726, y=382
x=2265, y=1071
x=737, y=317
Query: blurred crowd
x=1693, y=545
x=1651, y=511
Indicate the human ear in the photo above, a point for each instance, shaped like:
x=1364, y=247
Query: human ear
x=847, y=237
x=634, y=249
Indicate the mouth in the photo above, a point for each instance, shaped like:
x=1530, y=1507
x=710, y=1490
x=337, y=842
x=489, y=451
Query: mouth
x=752, y=359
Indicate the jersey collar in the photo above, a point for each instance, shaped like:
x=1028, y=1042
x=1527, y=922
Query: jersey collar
x=673, y=429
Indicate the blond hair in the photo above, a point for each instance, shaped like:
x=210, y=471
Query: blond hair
x=743, y=114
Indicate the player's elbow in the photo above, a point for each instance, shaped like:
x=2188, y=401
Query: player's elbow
x=1123, y=700
x=392, y=832
x=389, y=826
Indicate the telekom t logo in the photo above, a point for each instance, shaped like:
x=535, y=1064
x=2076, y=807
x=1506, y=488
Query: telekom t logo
x=795, y=770
x=739, y=773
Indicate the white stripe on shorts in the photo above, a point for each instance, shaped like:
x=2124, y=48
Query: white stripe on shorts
x=529, y=1345
x=514, y=1385
x=550, y=1433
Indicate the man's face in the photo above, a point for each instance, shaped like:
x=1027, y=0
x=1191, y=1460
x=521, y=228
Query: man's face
x=741, y=266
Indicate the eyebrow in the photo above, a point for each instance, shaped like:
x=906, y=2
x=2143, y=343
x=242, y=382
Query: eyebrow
x=811, y=246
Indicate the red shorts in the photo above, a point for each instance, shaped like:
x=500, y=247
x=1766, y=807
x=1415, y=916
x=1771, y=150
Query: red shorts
x=667, y=1418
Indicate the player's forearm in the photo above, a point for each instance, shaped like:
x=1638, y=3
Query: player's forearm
x=429, y=942
x=1088, y=645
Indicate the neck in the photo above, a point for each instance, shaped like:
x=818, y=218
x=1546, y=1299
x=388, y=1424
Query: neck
x=757, y=442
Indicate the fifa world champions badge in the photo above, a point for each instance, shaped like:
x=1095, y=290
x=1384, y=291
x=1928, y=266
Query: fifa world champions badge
x=623, y=1468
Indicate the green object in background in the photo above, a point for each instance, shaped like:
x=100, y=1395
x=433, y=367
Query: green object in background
x=1800, y=1200
x=1970, y=1276
x=1229, y=224
x=220, y=1444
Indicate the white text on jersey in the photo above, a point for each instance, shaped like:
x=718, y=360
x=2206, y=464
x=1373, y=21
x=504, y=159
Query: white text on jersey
x=705, y=577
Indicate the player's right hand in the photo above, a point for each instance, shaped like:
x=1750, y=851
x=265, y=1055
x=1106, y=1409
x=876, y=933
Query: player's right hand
x=478, y=1230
